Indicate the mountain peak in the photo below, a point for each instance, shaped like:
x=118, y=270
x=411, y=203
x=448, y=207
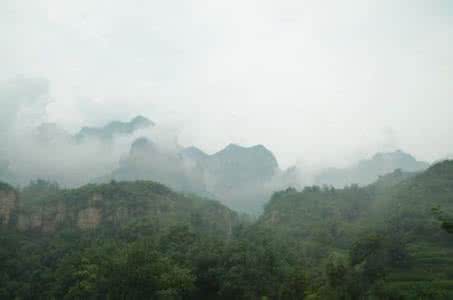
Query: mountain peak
x=368, y=170
x=193, y=152
x=235, y=148
x=108, y=131
x=140, y=120
x=141, y=144
x=397, y=154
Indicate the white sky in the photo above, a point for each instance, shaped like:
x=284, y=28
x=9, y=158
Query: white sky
x=315, y=81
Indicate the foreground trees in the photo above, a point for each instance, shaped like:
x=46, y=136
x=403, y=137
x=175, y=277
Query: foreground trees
x=383, y=241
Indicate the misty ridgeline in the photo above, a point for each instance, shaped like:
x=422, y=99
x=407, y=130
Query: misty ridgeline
x=123, y=211
x=226, y=150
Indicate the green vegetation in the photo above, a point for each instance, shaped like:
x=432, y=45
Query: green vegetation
x=140, y=240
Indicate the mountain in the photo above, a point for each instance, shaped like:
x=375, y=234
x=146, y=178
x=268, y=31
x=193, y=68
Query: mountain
x=148, y=161
x=8, y=203
x=135, y=240
x=383, y=236
x=193, y=153
x=388, y=240
x=115, y=128
x=238, y=176
x=236, y=165
x=367, y=171
x=50, y=152
x=43, y=207
x=52, y=132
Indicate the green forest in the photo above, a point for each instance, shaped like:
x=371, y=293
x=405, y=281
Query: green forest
x=226, y=150
x=140, y=240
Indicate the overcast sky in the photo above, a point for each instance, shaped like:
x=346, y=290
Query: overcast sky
x=314, y=81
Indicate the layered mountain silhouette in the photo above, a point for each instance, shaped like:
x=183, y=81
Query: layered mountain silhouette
x=369, y=170
x=49, y=132
x=115, y=128
x=242, y=177
x=50, y=152
x=235, y=175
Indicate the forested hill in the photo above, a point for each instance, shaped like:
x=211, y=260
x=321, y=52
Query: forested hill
x=385, y=236
x=140, y=240
x=43, y=207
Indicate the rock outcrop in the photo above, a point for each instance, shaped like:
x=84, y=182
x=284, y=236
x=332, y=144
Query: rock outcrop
x=114, y=205
x=8, y=204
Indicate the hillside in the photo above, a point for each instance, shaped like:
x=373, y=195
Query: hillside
x=237, y=176
x=367, y=171
x=118, y=241
x=387, y=240
x=395, y=214
x=43, y=207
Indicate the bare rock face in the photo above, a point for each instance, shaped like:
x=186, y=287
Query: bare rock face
x=116, y=204
x=89, y=218
x=41, y=220
x=8, y=205
x=24, y=222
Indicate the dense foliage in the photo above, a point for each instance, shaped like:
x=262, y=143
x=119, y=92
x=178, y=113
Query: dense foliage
x=389, y=240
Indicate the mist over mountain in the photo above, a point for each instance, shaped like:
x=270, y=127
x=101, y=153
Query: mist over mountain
x=367, y=171
x=240, y=177
x=114, y=129
x=150, y=161
x=244, y=178
x=32, y=148
x=226, y=150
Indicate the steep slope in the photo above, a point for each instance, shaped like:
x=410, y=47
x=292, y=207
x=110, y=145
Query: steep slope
x=240, y=177
x=8, y=204
x=236, y=165
x=135, y=240
x=147, y=161
x=367, y=171
x=193, y=153
x=118, y=205
x=396, y=212
x=405, y=198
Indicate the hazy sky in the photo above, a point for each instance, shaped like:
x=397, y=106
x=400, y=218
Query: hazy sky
x=312, y=80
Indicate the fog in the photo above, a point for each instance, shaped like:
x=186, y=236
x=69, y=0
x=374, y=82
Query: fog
x=319, y=83
x=34, y=148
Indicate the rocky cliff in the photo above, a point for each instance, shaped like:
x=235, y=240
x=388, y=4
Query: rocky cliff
x=114, y=205
x=8, y=204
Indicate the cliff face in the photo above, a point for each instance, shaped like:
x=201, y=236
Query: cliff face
x=237, y=176
x=8, y=204
x=115, y=205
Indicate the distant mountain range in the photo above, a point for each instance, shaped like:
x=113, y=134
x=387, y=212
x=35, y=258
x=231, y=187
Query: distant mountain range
x=242, y=177
x=235, y=175
x=48, y=132
x=115, y=128
x=245, y=177
x=367, y=171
